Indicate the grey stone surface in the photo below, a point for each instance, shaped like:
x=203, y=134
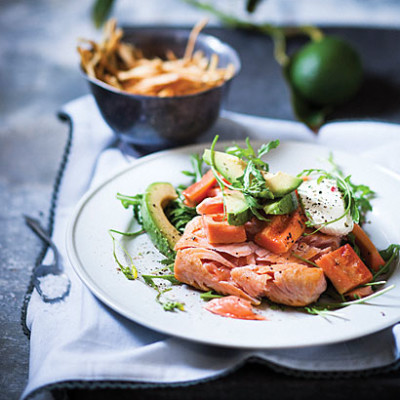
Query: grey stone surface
x=38, y=73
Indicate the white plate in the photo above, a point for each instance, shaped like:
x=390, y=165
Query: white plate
x=89, y=249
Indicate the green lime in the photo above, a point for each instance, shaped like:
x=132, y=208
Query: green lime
x=326, y=72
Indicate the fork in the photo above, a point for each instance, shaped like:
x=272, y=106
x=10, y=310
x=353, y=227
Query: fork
x=50, y=281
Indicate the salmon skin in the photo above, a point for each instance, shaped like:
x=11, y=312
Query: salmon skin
x=249, y=271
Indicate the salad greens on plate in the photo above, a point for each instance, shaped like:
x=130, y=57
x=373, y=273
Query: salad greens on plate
x=242, y=234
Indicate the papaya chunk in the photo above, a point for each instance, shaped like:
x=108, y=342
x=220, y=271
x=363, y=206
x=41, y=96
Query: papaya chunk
x=214, y=191
x=368, y=250
x=344, y=269
x=211, y=205
x=280, y=234
x=197, y=192
x=219, y=231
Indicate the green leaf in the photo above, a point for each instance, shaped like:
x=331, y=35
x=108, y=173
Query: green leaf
x=170, y=277
x=267, y=147
x=210, y=295
x=252, y=183
x=305, y=260
x=197, y=165
x=360, y=194
x=179, y=214
x=129, y=271
x=168, y=261
x=389, y=255
x=352, y=241
x=252, y=5
x=173, y=305
x=129, y=234
x=248, y=153
x=317, y=308
x=391, y=252
x=100, y=11
x=167, y=305
x=135, y=202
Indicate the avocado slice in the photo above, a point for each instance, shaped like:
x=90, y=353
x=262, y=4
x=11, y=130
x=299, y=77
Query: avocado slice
x=284, y=205
x=162, y=233
x=281, y=183
x=232, y=167
x=229, y=166
x=237, y=209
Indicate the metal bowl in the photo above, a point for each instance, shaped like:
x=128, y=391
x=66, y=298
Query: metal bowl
x=161, y=122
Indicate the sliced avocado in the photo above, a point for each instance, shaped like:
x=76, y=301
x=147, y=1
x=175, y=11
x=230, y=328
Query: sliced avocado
x=237, y=209
x=281, y=183
x=162, y=233
x=232, y=167
x=284, y=205
x=229, y=166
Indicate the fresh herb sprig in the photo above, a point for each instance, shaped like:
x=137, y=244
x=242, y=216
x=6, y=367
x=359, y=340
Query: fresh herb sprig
x=304, y=260
x=179, y=214
x=352, y=241
x=167, y=305
x=391, y=252
x=319, y=308
x=170, y=305
x=252, y=183
x=389, y=255
x=196, y=161
x=169, y=263
x=361, y=194
x=128, y=234
x=149, y=279
x=210, y=295
x=129, y=271
x=135, y=202
x=249, y=154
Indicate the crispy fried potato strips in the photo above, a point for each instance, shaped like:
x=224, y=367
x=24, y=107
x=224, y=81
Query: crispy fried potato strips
x=123, y=66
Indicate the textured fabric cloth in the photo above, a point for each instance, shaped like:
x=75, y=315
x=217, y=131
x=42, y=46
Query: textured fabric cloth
x=82, y=339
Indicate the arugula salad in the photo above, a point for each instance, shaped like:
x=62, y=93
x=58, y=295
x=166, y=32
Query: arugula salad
x=241, y=235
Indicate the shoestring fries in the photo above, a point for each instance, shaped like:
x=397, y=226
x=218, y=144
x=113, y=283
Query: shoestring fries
x=124, y=67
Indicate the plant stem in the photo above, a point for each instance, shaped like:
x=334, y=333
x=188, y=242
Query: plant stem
x=277, y=34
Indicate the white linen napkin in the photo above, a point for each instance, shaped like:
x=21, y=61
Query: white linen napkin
x=82, y=339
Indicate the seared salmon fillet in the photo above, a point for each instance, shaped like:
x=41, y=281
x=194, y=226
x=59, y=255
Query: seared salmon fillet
x=252, y=279
x=292, y=284
x=249, y=271
x=296, y=285
x=206, y=269
x=316, y=245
